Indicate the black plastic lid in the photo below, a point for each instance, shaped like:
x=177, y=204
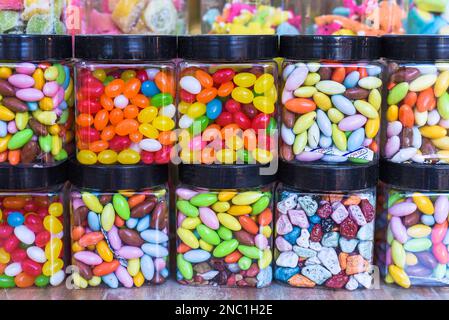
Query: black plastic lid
x=117, y=177
x=330, y=47
x=125, y=47
x=228, y=47
x=415, y=176
x=35, y=47
x=26, y=178
x=325, y=177
x=415, y=47
x=224, y=176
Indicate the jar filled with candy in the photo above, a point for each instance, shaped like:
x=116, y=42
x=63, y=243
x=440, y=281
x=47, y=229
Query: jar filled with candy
x=353, y=17
x=36, y=100
x=125, y=107
x=331, y=99
x=417, y=114
x=249, y=17
x=428, y=17
x=32, y=227
x=227, y=99
x=163, y=17
x=33, y=17
x=224, y=225
x=119, y=225
x=324, y=226
x=412, y=239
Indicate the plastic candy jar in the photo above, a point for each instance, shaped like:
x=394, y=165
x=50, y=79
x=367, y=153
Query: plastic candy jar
x=331, y=99
x=133, y=16
x=227, y=99
x=32, y=227
x=36, y=100
x=33, y=17
x=119, y=223
x=417, y=114
x=248, y=17
x=224, y=226
x=353, y=17
x=324, y=226
x=412, y=241
x=125, y=99
x=428, y=17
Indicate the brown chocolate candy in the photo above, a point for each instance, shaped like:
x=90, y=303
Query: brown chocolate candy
x=130, y=237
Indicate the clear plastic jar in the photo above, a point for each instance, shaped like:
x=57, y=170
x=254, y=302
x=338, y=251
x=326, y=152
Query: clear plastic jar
x=353, y=17
x=36, y=89
x=224, y=226
x=412, y=241
x=133, y=17
x=427, y=17
x=417, y=112
x=33, y=17
x=331, y=99
x=119, y=224
x=324, y=226
x=227, y=99
x=249, y=17
x=32, y=227
x=125, y=99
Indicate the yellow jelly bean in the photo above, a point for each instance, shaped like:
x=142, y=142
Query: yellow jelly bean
x=229, y=221
x=51, y=267
x=76, y=247
x=133, y=267
x=433, y=132
x=375, y=99
x=183, y=107
x=441, y=143
x=443, y=155
x=206, y=246
x=52, y=224
x=1, y=215
x=104, y=252
x=304, y=122
x=264, y=83
x=372, y=128
x=399, y=276
x=398, y=254
x=262, y=156
x=86, y=157
x=423, y=202
x=366, y=109
x=22, y=120
x=411, y=259
x=55, y=209
x=5, y=72
x=442, y=84
x=147, y=114
x=266, y=231
x=272, y=94
x=339, y=138
x=4, y=143
x=163, y=123
x=246, y=198
x=100, y=74
x=392, y=113
x=92, y=202
x=265, y=260
x=188, y=238
x=5, y=257
x=46, y=103
x=54, y=129
x=107, y=157
x=240, y=210
x=245, y=79
x=95, y=281
x=107, y=217
x=388, y=279
x=79, y=281
x=6, y=114
x=305, y=92
x=322, y=101
x=53, y=249
x=51, y=73
x=149, y=131
x=220, y=206
x=56, y=145
x=264, y=104
x=419, y=231
x=226, y=156
x=189, y=156
x=242, y=95
x=300, y=143
x=234, y=143
x=196, y=110
x=226, y=195
x=139, y=279
x=128, y=156
x=190, y=223
x=312, y=79
x=47, y=118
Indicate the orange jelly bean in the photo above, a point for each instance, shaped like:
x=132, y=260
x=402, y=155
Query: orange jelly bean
x=126, y=126
x=101, y=120
x=114, y=88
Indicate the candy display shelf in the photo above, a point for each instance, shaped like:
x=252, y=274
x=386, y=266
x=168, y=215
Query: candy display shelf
x=170, y=290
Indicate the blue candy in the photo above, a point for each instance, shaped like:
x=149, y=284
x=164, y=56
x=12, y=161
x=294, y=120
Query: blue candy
x=284, y=274
x=93, y=220
x=428, y=220
x=149, y=88
x=351, y=79
x=15, y=219
x=3, y=129
x=315, y=219
x=132, y=223
x=293, y=235
x=213, y=109
x=356, y=139
x=111, y=280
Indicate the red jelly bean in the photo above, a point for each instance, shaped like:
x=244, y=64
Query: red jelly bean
x=94, y=89
x=31, y=267
x=261, y=121
x=142, y=75
x=242, y=120
x=88, y=134
x=223, y=75
x=187, y=96
x=162, y=156
x=18, y=255
x=89, y=106
x=34, y=223
x=5, y=231
x=232, y=106
x=11, y=243
x=42, y=238
x=224, y=119
x=119, y=143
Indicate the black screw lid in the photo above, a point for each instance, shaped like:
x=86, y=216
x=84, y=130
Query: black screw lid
x=225, y=176
x=330, y=47
x=414, y=47
x=125, y=47
x=324, y=177
x=26, y=178
x=228, y=47
x=35, y=47
x=415, y=176
x=117, y=177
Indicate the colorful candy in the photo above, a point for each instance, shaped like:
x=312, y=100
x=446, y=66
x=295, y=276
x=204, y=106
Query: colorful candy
x=428, y=17
x=224, y=237
x=31, y=240
x=120, y=239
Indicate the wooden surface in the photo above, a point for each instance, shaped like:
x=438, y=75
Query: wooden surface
x=171, y=290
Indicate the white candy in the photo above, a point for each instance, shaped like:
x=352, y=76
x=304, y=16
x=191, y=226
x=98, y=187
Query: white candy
x=121, y=101
x=24, y=234
x=57, y=278
x=36, y=254
x=185, y=121
x=167, y=111
x=190, y=84
x=150, y=145
x=13, y=269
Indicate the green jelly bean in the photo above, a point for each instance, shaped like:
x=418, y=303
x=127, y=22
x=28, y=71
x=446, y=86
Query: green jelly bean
x=19, y=139
x=45, y=143
x=440, y=271
x=121, y=206
x=108, y=80
x=418, y=245
x=161, y=99
x=61, y=74
x=225, y=248
x=184, y=267
x=250, y=251
x=272, y=126
x=398, y=254
x=6, y=281
x=64, y=117
x=41, y=281
x=208, y=235
x=62, y=155
x=244, y=156
x=244, y=263
x=186, y=208
x=199, y=125
x=267, y=194
x=224, y=233
x=260, y=205
x=300, y=143
x=204, y=199
x=393, y=198
x=443, y=106
x=339, y=138
x=358, y=160
x=22, y=120
x=398, y=93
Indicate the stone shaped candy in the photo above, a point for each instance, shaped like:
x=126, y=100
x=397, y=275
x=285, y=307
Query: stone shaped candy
x=287, y=259
x=282, y=244
x=303, y=240
x=309, y=205
x=312, y=261
x=283, y=225
x=330, y=239
x=365, y=279
x=298, y=218
x=352, y=284
x=264, y=277
x=287, y=204
x=348, y=246
x=304, y=252
x=357, y=215
x=316, y=246
x=339, y=213
x=316, y=273
x=329, y=258
x=366, y=249
x=366, y=232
